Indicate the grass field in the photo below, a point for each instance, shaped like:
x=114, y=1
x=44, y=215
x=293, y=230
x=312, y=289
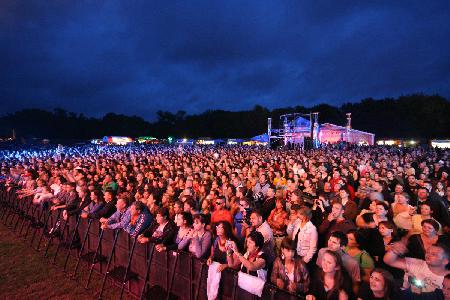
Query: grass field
x=26, y=274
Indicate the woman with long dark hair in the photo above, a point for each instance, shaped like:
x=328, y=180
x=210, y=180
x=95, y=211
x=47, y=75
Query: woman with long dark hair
x=381, y=286
x=332, y=282
x=289, y=271
x=224, y=235
x=219, y=256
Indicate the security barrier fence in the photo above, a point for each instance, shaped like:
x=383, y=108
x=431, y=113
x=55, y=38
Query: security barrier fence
x=134, y=268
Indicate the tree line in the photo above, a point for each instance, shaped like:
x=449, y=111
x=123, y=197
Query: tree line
x=412, y=116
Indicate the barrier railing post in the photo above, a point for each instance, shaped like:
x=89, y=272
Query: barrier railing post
x=28, y=216
x=169, y=287
x=75, y=232
x=235, y=281
x=12, y=210
x=53, y=232
x=127, y=271
x=20, y=212
x=33, y=220
x=147, y=272
x=272, y=293
x=60, y=238
x=191, y=274
x=96, y=258
x=199, y=280
x=116, y=236
x=82, y=248
x=44, y=229
x=5, y=204
x=38, y=224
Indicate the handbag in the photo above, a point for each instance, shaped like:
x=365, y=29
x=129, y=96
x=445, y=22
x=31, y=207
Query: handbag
x=250, y=283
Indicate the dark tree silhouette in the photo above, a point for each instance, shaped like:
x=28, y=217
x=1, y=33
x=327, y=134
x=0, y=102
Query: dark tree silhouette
x=413, y=116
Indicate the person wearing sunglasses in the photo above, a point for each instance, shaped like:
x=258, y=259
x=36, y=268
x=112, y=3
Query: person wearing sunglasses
x=221, y=213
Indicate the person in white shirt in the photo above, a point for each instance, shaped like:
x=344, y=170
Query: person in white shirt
x=305, y=235
x=422, y=277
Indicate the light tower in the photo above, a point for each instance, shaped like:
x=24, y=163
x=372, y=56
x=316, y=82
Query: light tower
x=349, y=126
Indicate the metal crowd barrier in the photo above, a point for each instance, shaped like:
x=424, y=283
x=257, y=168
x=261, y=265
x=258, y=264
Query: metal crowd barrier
x=134, y=268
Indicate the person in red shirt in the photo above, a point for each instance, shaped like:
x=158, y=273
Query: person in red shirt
x=335, y=180
x=221, y=213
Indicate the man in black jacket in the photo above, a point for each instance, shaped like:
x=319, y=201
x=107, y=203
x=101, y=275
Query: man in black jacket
x=162, y=231
x=439, y=211
x=107, y=210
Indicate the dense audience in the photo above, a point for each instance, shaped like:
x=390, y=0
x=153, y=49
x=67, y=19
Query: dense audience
x=332, y=223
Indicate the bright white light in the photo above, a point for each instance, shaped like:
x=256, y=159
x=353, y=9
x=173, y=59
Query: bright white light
x=386, y=142
x=443, y=144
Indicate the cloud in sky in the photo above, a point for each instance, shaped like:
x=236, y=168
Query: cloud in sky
x=139, y=57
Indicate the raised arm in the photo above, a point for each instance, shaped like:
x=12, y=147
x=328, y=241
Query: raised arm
x=392, y=258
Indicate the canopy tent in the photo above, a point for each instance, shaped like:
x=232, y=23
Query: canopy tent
x=331, y=133
x=210, y=141
x=147, y=140
x=302, y=122
x=117, y=140
x=263, y=138
x=185, y=141
x=234, y=141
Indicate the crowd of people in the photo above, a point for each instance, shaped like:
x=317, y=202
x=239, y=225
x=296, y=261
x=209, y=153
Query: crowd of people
x=330, y=223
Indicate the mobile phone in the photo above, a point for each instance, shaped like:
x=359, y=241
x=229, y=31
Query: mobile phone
x=228, y=244
x=416, y=282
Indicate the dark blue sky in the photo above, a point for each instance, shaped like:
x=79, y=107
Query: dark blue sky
x=137, y=57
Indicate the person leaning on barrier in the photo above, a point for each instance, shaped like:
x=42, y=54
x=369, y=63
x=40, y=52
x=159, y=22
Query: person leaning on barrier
x=94, y=205
x=83, y=195
x=139, y=220
x=254, y=262
x=43, y=196
x=200, y=238
x=68, y=199
x=162, y=231
x=120, y=217
x=107, y=210
x=184, y=223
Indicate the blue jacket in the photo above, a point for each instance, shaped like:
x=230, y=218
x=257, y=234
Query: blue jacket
x=144, y=220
